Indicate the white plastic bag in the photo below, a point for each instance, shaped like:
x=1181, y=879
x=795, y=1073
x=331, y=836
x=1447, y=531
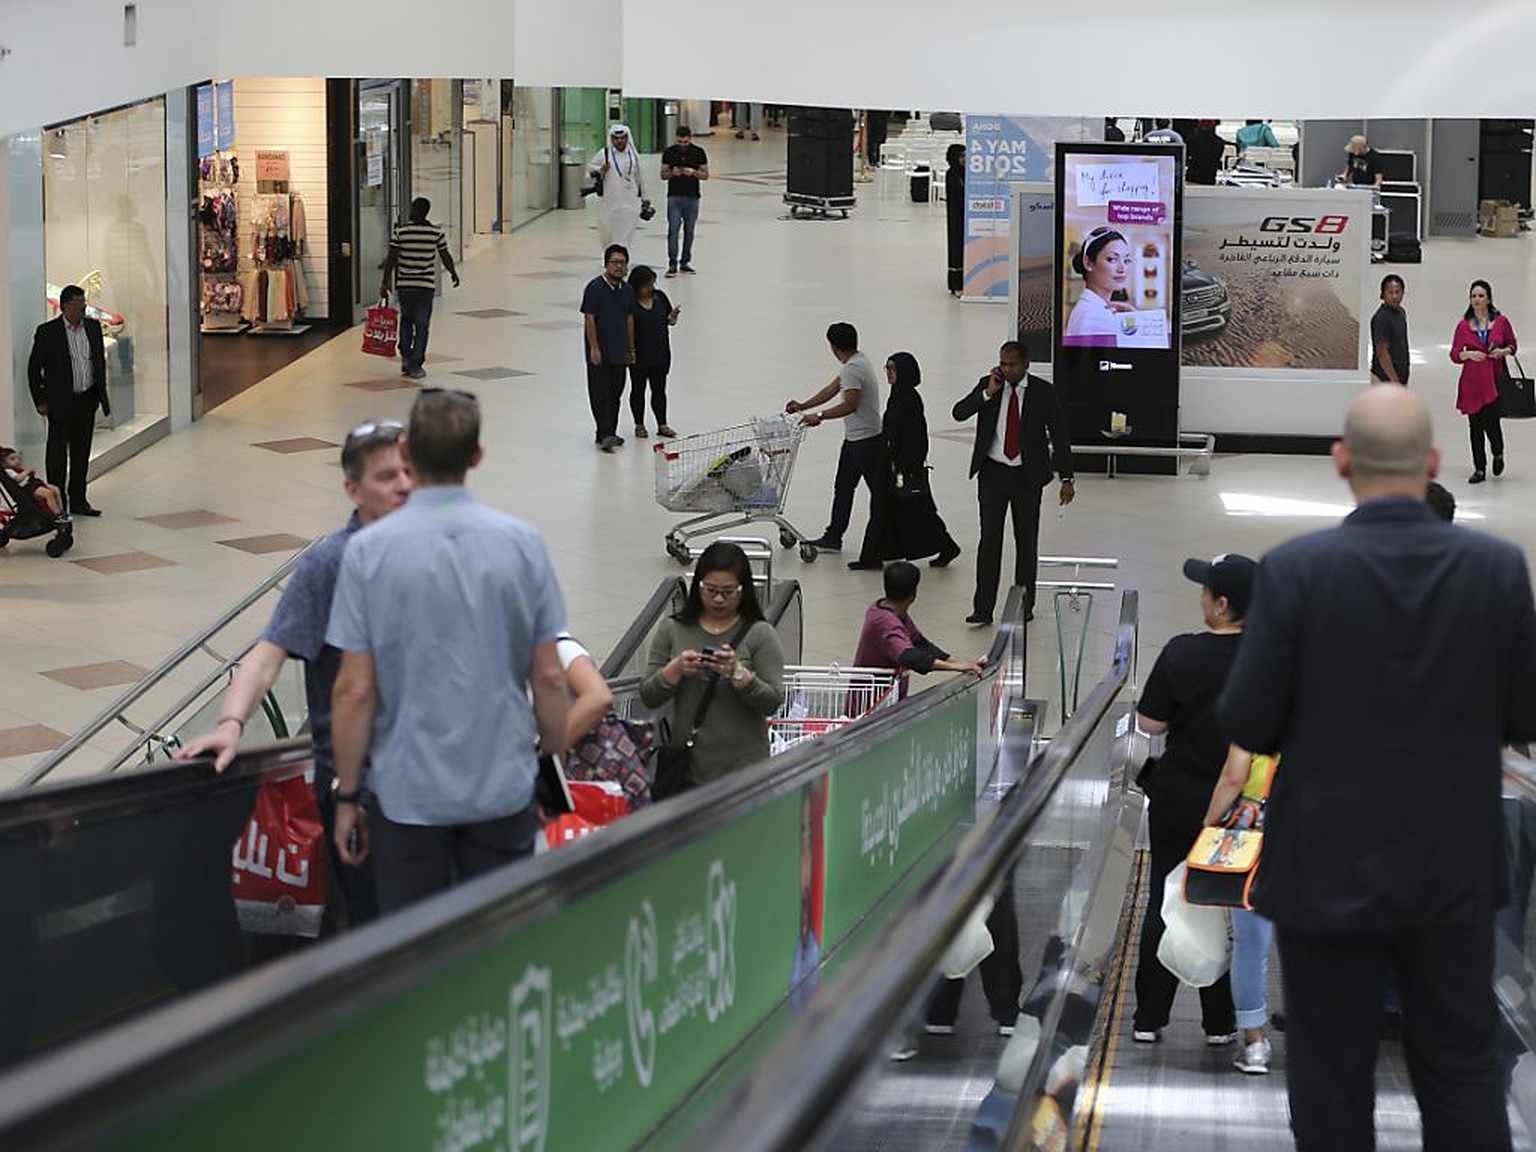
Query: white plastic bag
x=971, y=946
x=1197, y=941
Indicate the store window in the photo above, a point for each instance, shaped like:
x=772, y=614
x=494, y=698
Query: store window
x=437, y=117
x=104, y=197
x=533, y=142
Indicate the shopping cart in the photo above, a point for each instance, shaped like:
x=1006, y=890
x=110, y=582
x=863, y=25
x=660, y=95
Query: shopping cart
x=821, y=699
x=738, y=475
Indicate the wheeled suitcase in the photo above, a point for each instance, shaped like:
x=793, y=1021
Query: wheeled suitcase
x=1403, y=248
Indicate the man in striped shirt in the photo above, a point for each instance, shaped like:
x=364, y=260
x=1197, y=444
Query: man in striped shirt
x=412, y=261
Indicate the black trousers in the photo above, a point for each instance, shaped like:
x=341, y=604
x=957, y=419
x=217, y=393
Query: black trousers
x=638, y=378
x=414, y=861
x=1485, y=423
x=1001, y=978
x=1174, y=819
x=1333, y=989
x=858, y=460
x=1001, y=490
x=68, y=455
x=605, y=384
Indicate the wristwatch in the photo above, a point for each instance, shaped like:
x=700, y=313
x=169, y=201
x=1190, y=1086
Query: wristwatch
x=340, y=797
x=739, y=675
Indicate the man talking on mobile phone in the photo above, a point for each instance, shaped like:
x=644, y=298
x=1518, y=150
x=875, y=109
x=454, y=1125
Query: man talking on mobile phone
x=1021, y=443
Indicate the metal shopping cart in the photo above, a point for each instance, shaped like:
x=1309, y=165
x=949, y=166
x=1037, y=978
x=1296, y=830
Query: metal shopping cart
x=738, y=475
x=821, y=699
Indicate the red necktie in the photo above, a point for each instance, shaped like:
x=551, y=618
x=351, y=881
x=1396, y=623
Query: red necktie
x=1011, y=429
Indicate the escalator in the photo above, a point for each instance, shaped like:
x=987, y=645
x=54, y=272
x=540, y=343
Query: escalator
x=607, y=995
x=118, y=884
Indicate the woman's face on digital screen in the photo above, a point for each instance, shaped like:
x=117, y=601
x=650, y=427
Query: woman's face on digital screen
x=1110, y=270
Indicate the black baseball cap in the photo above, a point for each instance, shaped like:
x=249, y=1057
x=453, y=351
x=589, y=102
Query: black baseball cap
x=1228, y=575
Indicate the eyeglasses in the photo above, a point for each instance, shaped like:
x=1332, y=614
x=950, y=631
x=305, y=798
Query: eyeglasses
x=392, y=428
x=459, y=392
x=720, y=591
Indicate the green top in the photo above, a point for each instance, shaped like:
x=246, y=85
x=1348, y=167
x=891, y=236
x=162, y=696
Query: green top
x=735, y=731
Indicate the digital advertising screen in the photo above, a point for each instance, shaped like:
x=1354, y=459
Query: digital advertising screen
x=1119, y=271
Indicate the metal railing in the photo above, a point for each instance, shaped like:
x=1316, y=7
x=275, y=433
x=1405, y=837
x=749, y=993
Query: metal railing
x=1200, y=447
x=158, y=736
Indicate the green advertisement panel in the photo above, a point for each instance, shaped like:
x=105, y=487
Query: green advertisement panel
x=889, y=806
x=581, y=1032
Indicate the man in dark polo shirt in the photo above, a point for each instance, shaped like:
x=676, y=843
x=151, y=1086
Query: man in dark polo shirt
x=607, y=309
x=683, y=165
x=1387, y=660
x=1389, y=334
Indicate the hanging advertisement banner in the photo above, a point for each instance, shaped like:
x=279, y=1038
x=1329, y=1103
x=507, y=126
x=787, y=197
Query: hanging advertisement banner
x=224, y=105
x=1034, y=261
x=1274, y=280
x=1001, y=151
x=205, y=121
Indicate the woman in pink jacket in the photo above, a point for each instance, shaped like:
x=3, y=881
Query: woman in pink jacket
x=1483, y=341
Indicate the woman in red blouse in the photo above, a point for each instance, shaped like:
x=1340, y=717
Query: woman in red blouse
x=1484, y=340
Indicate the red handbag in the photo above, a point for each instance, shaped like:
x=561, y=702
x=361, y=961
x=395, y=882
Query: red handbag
x=279, y=862
x=381, y=330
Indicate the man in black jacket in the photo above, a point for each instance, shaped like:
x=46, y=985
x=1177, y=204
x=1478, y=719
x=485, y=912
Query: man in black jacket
x=67, y=374
x=1388, y=660
x=1021, y=442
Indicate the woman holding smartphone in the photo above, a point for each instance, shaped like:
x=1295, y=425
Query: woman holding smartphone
x=1104, y=263
x=1484, y=339
x=719, y=637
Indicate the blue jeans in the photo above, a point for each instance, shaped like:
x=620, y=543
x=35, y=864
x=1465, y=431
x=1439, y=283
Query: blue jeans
x=1251, y=934
x=682, y=211
x=415, y=319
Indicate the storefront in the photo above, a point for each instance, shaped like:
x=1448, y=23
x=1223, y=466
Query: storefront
x=87, y=205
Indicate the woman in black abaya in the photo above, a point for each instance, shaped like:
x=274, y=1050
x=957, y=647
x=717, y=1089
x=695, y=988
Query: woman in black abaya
x=904, y=523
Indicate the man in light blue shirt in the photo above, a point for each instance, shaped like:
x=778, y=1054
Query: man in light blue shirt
x=446, y=615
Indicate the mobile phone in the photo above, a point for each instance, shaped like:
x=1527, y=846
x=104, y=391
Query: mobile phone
x=707, y=653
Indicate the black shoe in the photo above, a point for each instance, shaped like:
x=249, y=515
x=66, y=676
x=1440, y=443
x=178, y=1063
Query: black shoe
x=866, y=565
x=84, y=509
x=1498, y=465
x=945, y=557
x=979, y=618
x=1477, y=477
x=826, y=544
x=689, y=269
x=609, y=443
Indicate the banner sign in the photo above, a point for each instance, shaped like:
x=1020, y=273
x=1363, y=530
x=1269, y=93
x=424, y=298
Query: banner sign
x=272, y=165
x=206, y=130
x=1034, y=254
x=1000, y=152
x=1273, y=280
x=587, y=1028
x=224, y=103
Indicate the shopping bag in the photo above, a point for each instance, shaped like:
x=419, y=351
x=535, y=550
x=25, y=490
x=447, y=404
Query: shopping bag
x=1221, y=866
x=598, y=802
x=617, y=750
x=1517, y=393
x=279, y=862
x=971, y=946
x=566, y=828
x=1197, y=942
x=381, y=330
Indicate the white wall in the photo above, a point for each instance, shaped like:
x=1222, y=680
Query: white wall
x=578, y=43
x=67, y=60
x=287, y=115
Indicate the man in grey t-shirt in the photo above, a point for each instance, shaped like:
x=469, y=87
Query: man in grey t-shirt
x=858, y=391
x=1389, y=334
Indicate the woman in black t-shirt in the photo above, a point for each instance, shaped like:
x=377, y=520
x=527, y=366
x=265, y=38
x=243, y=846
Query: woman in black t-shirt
x=1180, y=699
x=654, y=316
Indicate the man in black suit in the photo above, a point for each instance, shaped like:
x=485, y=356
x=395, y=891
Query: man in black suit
x=1021, y=442
x=1388, y=660
x=67, y=373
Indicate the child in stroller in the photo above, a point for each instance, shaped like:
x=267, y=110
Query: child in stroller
x=29, y=507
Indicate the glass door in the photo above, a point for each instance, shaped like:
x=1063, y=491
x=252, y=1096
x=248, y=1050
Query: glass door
x=381, y=196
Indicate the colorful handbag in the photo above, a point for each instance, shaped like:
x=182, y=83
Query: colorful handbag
x=618, y=751
x=1221, y=866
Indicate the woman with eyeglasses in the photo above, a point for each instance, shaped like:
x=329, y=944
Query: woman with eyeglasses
x=719, y=637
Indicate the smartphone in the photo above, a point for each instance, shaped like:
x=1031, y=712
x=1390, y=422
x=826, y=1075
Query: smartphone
x=707, y=653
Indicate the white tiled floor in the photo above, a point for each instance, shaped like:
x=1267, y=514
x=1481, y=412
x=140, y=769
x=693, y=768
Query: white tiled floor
x=751, y=337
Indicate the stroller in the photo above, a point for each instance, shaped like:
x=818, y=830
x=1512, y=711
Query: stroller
x=21, y=518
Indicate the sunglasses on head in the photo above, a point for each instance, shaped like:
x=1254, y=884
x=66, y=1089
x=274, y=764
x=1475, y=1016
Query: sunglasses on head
x=459, y=392
x=376, y=428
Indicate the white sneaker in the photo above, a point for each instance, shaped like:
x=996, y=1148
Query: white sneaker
x=939, y=1029
x=905, y=1048
x=1146, y=1035
x=1220, y=1039
x=1253, y=1058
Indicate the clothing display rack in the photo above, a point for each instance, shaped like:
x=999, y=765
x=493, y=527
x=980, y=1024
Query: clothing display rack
x=273, y=284
x=218, y=221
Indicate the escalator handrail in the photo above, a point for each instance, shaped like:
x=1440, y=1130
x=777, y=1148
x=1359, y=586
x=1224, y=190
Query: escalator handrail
x=667, y=598
x=115, y=710
x=801, y=1088
x=212, y=1034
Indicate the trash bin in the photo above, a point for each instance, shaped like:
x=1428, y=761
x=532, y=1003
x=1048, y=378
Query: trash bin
x=669, y=116
x=573, y=176
x=921, y=183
